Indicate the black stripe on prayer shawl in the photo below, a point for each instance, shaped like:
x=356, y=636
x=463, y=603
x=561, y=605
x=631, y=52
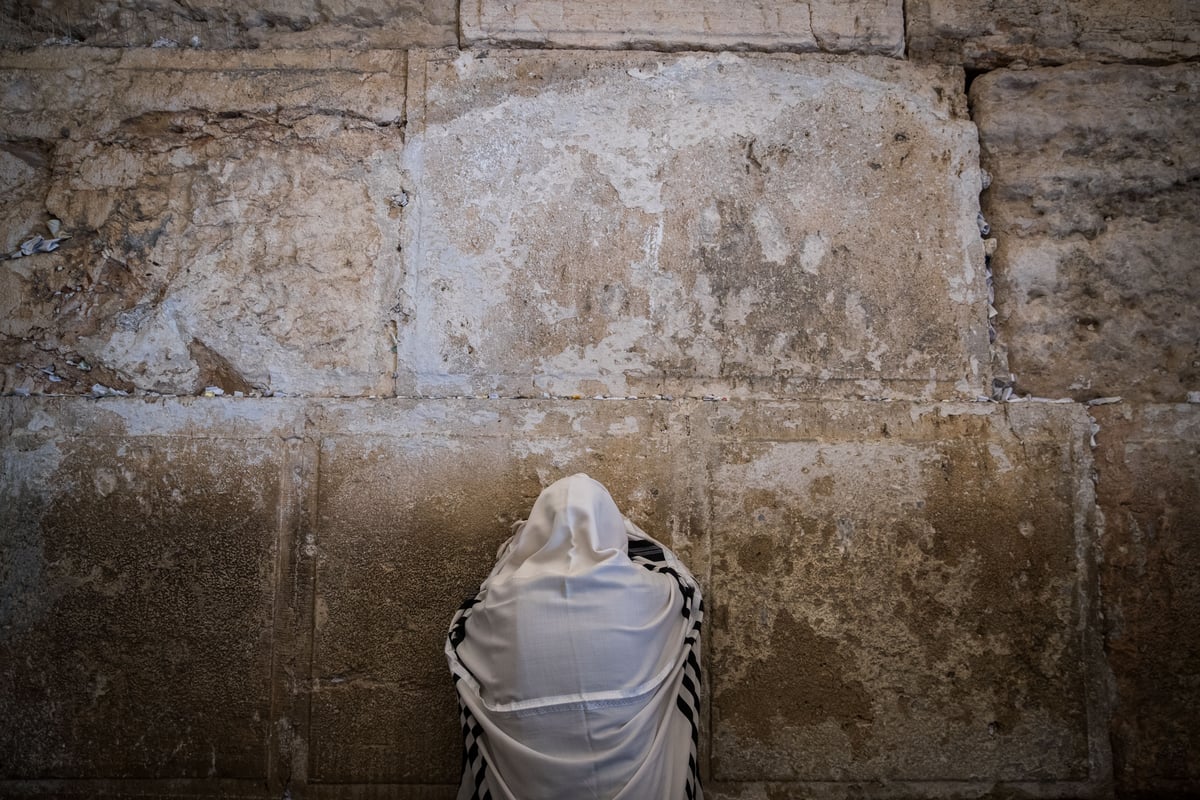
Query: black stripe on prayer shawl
x=474, y=761
x=652, y=557
x=458, y=632
x=640, y=548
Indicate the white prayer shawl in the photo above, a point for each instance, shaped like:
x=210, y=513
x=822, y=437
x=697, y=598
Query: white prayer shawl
x=577, y=663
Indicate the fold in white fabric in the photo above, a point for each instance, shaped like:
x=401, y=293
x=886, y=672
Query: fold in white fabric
x=577, y=663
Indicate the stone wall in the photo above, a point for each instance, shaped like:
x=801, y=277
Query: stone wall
x=883, y=315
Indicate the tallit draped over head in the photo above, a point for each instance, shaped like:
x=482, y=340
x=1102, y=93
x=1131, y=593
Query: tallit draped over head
x=577, y=663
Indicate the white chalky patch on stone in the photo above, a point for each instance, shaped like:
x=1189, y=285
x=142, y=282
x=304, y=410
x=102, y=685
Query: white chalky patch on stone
x=772, y=238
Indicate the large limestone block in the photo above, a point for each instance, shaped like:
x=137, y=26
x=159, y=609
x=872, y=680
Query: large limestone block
x=230, y=220
x=895, y=593
x=1148, y=489
x=624, y=223
x=357, y=24
x=415, y=498
x=1096, y=206
x=984, y=34
x=837, y=26
x=136, y=591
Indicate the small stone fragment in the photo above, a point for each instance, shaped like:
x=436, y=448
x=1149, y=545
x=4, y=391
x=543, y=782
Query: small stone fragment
x=100, y=390
x=1002, y=389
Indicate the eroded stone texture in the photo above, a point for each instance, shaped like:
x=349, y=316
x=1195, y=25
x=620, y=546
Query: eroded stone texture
x=1095, y=201
x=626, y=223
x=353, y=24
x=895, y=593
x=230, y=220
x=135, y=592
x=835, y=26
x=984, y=34
x=1148, y=489
x=415, y=498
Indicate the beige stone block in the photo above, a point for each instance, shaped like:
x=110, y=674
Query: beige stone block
x=136, y=595
x=835, y=26
x=625, y=223
x=356, y=24
x=415, y=499
x=230, y=220
x=1148, y=490
x=1096, y=210
x=895, y=593
x=985, y=35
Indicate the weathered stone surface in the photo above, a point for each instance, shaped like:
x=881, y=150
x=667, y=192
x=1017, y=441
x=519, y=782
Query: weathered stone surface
x=135, y=592
x=613, y=223
x=837, y=26
x=984, y=34
x=1095, y=201
x=415, y=498
x=230, y=220
x=1148, y=489
x=895, y=593
x=352, y=24
x=894, y=590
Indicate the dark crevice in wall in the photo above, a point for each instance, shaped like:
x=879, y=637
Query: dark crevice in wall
x=971, y=74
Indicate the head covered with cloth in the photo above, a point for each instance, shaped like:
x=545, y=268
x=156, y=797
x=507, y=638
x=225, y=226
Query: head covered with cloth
x=577, y=663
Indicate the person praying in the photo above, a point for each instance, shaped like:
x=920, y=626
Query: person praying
x=577, y=664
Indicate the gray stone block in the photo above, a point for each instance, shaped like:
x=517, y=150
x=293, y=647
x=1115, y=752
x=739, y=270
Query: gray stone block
x=1148, y=491
x=895, y=594
x=774, y=25
x=229, y=216
x=136, y=596
x=602, y=223
x=1096, y=209
x=356, y=24
x=984, y=35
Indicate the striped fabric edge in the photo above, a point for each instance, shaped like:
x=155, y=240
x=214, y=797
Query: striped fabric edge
x=654, y=558
x=474, y=761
